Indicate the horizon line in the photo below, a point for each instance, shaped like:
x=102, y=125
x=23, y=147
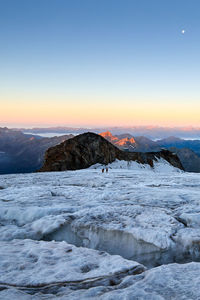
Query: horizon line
x=97, y=127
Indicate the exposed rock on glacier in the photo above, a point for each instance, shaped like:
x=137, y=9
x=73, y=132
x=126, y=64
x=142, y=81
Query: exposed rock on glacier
x=89, y=148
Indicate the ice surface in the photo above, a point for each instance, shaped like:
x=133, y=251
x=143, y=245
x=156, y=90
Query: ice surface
x=144, y=215
x=136, y=214
x=166, y=282
x=31, y=263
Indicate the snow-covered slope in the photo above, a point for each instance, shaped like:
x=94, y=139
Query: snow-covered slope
x=161, y=165
x=49, y=222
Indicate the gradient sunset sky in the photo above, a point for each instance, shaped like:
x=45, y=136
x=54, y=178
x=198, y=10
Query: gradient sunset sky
x=99, y=63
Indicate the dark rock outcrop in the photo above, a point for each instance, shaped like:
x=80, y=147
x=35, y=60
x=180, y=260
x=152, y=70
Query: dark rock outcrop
x=89, y=148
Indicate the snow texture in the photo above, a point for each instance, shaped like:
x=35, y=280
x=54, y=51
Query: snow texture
x=37, y=263
x=49, y=222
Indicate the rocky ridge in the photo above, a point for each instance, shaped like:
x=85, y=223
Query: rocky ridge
x=89, y=148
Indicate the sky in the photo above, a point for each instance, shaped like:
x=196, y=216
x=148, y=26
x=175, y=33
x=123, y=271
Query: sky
x=99, y=63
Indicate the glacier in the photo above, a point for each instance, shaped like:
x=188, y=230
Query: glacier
x=131, y=232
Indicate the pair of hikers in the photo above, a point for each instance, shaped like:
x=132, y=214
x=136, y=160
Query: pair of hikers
x=105, y=169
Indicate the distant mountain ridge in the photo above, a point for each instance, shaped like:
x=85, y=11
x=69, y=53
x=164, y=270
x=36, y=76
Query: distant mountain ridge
x=172, y=141
x=123, y=142
x=187, y=151
x=21, y=153
x=89, y=148
x=128, y=142
x=151, y=132
x=189, y=159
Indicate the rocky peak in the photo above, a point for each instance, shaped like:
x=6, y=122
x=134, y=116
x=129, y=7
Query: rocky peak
x=108, y=135
x=89, y=148
x=125, y=141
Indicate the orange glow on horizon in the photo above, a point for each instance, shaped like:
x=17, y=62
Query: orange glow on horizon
x=96, y=114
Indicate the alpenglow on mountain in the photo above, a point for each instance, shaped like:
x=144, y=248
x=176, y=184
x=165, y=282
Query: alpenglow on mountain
x=88, y=149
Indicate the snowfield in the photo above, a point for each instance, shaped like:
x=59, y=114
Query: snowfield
x=131, y=233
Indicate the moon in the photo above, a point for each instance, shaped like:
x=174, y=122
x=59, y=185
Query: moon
x=183, y=31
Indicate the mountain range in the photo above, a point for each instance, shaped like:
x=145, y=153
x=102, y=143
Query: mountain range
x=21, y=153
x=89, y=149
x=188, y=151
x=151, y=132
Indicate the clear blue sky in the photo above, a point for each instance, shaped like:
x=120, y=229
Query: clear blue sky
x=99, y=58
